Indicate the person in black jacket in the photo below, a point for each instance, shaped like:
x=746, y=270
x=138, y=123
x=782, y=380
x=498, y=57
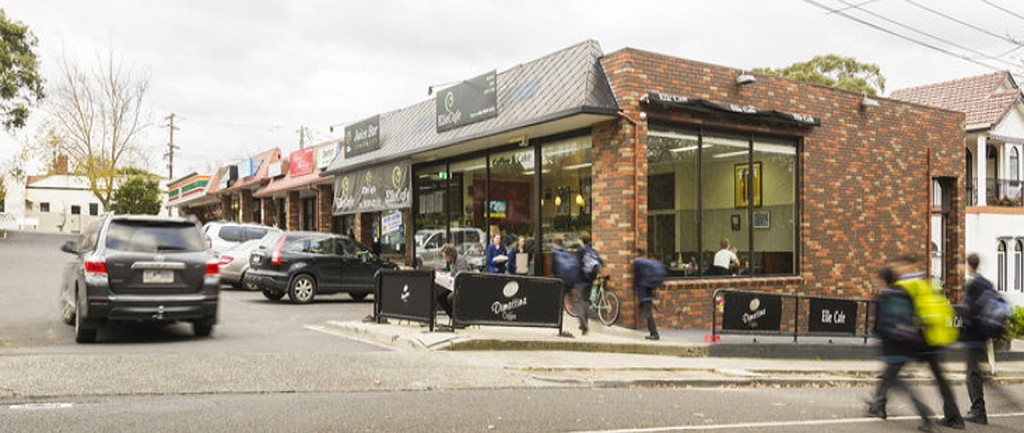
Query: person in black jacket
x=647, y=275
x=902, y=342
x=974, y=341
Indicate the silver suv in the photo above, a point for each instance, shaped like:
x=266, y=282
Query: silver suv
x=221, y=236
x=139, y=269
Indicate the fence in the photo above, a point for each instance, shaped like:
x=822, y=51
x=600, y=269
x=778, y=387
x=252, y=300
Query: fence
x=759, y=313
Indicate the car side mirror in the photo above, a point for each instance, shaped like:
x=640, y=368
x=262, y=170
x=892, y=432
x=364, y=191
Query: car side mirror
x=70, y=247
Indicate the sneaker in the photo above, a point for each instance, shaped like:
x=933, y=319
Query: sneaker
x=584, y=331
x=876, y=411
x=976, y=417
x=653, y=337
x=957, y=424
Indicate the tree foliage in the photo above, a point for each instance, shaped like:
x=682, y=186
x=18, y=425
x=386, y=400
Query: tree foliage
x=97, y=118
x=139, y=194
x=20, y=82
x=836, y=71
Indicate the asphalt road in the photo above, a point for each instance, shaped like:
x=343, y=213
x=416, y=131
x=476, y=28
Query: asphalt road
x=273, y=367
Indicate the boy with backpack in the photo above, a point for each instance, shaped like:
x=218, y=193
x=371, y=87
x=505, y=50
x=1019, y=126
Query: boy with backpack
x=590, y=267
x=567, y=268
x=648, y=274
x=987, y=315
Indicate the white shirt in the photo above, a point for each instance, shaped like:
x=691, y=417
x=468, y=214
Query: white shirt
x=724, y=258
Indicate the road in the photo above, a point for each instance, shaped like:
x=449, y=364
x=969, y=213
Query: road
x=274, y=367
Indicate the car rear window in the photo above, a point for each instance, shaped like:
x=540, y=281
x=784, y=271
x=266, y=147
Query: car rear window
x=231, y=233
x=154, y=236
x=255, y=233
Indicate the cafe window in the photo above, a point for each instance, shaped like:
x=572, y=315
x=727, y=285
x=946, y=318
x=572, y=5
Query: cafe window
x=709, y=189
x=467, y=199
x=513, y=204
x=566, y=200
x=431, y=200
x=390, y=230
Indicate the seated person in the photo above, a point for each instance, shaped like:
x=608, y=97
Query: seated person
x=453, y=265
x=725, y=260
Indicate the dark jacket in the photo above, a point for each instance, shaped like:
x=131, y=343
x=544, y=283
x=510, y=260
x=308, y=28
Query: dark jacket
x=647, y=276
x=896, y=325
x=977, y=286
x=492, y=252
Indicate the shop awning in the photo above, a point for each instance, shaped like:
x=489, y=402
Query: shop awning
x=302, y=168
x=664, y=100
x=258, y=167
x=373, y=189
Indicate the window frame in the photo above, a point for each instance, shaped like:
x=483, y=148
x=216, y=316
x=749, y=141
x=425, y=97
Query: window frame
x=1001, y=268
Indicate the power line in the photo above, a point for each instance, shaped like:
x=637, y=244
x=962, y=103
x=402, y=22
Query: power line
x=1011, y=13
x=963, y=23
x=907, y=38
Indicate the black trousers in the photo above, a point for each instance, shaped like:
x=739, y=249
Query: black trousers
x=975, y=390
x=890, y=378
x=647, y=312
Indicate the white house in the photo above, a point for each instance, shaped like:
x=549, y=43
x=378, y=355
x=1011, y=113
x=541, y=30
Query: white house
x=994, y=141
x=60, y=203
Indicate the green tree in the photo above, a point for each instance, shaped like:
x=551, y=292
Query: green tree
x=836, y=71
x=138, y=194
x=20, y=82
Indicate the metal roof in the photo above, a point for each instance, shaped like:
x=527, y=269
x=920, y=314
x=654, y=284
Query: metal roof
x=561, y=84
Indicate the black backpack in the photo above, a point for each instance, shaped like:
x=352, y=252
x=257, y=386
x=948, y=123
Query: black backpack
x=993, y=314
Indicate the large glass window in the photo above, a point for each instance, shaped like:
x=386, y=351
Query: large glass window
x=431, y=224
x=721, y=204
x=565, y=193
x=513, y=204
x=467, y=193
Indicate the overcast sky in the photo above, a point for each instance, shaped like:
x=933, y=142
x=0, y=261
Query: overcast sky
x=244, y=75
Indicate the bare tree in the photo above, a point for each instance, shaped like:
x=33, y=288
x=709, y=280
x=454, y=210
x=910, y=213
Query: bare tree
x=97, y=118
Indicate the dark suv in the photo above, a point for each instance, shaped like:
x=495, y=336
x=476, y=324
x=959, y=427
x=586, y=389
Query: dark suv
x=305, y=264
x=139, y=269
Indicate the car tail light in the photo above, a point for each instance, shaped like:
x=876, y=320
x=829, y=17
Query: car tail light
x=275, y=258
x=212, y=267
x=96, y=267
x=224, y=260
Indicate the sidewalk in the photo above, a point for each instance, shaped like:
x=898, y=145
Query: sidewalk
x=622, y=357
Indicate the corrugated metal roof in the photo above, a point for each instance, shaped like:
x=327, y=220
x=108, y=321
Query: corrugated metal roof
x=569, y=81
x=985, y=99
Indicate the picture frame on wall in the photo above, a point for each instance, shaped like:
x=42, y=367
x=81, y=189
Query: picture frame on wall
x=762, y=219
x=736, y=222
x=744, y=176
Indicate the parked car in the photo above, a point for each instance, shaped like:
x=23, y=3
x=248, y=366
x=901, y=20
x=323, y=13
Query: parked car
x=470, y=241
x=221, y=235
x=234, y=262
x=306, y=264
x=144, y=268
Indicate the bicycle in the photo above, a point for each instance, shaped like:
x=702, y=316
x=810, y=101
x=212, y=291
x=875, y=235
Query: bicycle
x=602, y=301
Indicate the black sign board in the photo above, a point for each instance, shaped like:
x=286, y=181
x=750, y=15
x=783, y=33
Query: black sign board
x=362, y=137
x=407, y=295
x=468, y=102
x=373, y=189
x=702, y=105
x=751, y=311
x=832, y=316
x=507, y=300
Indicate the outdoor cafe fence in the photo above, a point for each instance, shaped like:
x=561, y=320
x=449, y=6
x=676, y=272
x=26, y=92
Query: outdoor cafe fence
x=759, y=313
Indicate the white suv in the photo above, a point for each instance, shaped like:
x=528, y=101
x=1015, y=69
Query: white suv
x=470, y=241
x=221, y=236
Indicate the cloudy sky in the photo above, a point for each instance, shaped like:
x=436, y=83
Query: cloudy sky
x=244, y=75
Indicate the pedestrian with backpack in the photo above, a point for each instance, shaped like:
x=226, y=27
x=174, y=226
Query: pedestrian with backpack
x=648, y=274
x=567, y=268
x=987, y=315
x=590, y=267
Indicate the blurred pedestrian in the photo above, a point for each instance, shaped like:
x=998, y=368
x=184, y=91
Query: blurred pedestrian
x=590, y=267
x=496, y=256
x=567, y=268
x=979, y=290
x=648, y=274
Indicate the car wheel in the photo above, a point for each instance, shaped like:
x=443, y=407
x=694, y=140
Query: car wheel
x=202, y=328
x=359, y=296
x=67, y=313
x=272, y=295
x=302, y=290
x=85, y=330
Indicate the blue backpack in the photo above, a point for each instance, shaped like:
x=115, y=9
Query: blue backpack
x=993, y=314
x=567, y=267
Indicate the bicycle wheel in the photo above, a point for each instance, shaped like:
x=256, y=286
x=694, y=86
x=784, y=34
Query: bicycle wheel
x=608, y=308
x=569, y=303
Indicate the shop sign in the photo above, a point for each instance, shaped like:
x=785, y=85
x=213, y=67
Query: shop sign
x=391, y=222
x=362, y=137
x=468, y=102
x=245, y=168
x=274, y=169
x=702, y=105
x=374, y=189
x=189, y=188
x=490, y=299
x=228, y=174
x=326, y=154
x=832, y=316
x=300, y=162
x=751, y=311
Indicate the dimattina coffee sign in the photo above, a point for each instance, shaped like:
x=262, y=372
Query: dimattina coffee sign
x=493, y=299
x=373, y=189
x=751, y=311
x=468, y=102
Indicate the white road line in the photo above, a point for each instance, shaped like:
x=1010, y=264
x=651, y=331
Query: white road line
x=40, y=406
x=768, y=424
x=327, y=331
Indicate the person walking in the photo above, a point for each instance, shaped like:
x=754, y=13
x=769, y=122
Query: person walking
x=567, y=268
x=901, y=341
x=978, y=289
x=497, y=256
x=648, y=274
x=590, y=267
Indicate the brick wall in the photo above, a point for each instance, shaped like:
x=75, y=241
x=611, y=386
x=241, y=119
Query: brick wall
x=325, y=208
x=246, y=206
x=269, y=211
x=863, y=185
x=293, y=205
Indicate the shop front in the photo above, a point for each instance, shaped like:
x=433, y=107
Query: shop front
x=377, y=200
x=237, y=199
x=296, y=197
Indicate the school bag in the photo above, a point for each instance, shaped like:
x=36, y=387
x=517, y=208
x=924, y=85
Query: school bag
x=591, y=263
x=895, y=318
x=651, y=273
x=566, y=266
x=993, y=316
x=934, y=312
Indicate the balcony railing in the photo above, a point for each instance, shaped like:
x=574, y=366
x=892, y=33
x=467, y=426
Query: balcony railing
x=998, y=192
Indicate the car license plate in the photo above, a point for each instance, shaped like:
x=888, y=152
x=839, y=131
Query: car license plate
x=157, y=276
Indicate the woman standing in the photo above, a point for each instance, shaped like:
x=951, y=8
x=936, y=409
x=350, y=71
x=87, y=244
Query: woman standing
x=496, y=256
x=519, y=258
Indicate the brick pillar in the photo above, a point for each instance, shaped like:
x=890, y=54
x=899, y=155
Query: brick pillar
x=269, y=211
x=292, y=206
x=325, y=208
x=246, y=206
x=225, y=208
x=614, y=202
x=364, y=229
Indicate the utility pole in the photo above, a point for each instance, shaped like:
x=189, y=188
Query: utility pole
x=170, y=146
x=302, y=137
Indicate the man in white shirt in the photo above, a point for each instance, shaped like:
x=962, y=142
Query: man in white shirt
x=725, y=260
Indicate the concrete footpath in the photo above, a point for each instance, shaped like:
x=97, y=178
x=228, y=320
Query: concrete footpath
x=616, y=357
